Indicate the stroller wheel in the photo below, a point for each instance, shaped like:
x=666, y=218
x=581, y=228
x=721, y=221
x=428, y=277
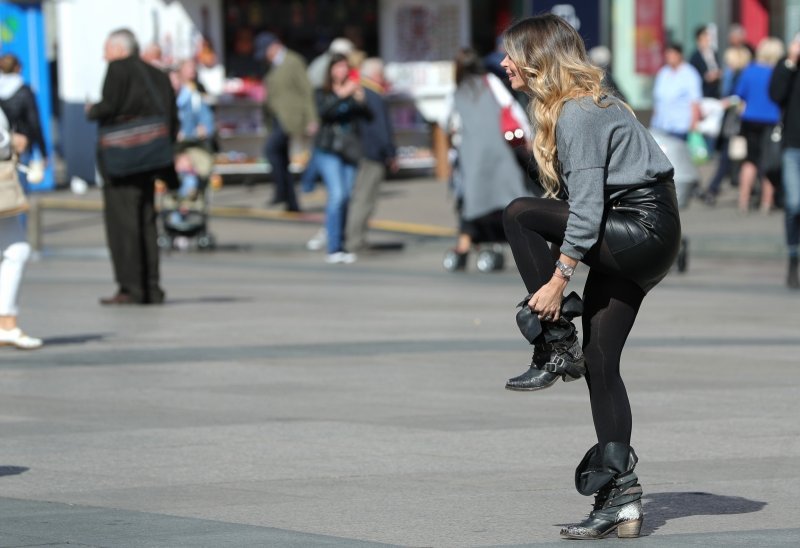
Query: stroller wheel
x=454, y=261
x=683, y=255
x=206, y=242
x=490, y=260
x=164, y=242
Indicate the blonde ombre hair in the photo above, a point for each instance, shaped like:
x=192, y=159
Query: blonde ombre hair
x=551, y=59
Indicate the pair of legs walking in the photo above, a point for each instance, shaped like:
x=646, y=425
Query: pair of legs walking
x=14, y=254
x=791, y=209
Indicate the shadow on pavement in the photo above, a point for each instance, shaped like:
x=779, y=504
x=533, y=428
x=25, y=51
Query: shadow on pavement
x=12, y=470
x=75, y=339
x=209, y=300
x=659, y=508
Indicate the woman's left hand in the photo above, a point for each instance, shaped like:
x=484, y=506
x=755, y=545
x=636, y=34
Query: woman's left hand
x=546, y=302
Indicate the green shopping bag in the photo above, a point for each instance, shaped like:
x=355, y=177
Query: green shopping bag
x=698, y=149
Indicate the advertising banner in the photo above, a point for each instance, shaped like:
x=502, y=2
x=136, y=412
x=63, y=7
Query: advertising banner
x=583, y=15
x=22, y=34
x=649, y=36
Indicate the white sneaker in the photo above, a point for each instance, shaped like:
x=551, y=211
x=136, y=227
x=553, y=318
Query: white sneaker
x=318, y=241
x=15, y=337
x=341, y=257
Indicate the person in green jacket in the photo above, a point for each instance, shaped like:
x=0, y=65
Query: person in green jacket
x=289, y=111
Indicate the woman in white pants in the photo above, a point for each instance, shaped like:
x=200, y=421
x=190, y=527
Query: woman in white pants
x=14, y=253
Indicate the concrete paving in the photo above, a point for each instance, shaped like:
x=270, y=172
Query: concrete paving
x=279, y=401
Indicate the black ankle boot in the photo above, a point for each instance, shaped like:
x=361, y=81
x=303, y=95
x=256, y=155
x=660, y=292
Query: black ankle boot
x=557, y=352
x=792, y=278
x=617, y=502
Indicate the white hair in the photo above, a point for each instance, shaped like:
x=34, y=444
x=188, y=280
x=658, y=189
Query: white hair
x=125, y=39
x=371, y=67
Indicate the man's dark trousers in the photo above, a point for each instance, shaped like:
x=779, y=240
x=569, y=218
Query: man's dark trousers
x=132, y=237
x=277, y=152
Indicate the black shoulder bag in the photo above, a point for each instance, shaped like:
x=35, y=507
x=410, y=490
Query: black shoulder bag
x=139, y=145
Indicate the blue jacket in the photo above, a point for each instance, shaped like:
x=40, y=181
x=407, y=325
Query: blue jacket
x=753, y=88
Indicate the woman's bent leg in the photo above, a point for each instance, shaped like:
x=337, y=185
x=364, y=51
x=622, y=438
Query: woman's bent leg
x=529, y=224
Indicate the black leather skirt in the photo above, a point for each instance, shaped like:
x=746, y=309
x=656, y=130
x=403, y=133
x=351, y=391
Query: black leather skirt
x=642, y=232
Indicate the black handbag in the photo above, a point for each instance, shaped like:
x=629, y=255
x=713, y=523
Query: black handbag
x=139, y=145
x=347, y=144
x=772, y=153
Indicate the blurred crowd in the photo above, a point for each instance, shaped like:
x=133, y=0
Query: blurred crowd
x=737, y=106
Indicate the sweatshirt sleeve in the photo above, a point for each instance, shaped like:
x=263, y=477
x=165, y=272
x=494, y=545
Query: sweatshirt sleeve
x=582, y=152
x=781, y=83
x=110, y=104
x=33, y=123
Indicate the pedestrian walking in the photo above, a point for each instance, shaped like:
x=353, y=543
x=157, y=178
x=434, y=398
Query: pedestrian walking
x=619, y=217
x=784, y=89
x=486, y=173
x=342, y=105
x=677, y=92
x=379, y=153
x=133, y=90
x=759, y=117
x=706, y=60
x=14, y=248
x=288, y=110
x=19, y=104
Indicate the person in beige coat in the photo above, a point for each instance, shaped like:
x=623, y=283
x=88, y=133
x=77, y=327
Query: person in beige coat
x=289, y=111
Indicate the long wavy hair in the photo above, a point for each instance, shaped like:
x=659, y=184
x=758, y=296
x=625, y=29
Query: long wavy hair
x=551, y=59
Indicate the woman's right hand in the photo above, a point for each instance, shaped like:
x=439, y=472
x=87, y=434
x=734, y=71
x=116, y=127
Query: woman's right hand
x=19, y=142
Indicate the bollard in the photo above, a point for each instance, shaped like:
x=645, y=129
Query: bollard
x=34, y=224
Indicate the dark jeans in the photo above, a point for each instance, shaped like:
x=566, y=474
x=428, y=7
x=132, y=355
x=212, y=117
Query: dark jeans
x=277, y=153
x=131, y=234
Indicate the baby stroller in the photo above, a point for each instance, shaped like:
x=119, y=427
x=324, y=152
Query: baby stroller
x=183, y=213
x=488, y=238
x=485, y=232
x=687, y=178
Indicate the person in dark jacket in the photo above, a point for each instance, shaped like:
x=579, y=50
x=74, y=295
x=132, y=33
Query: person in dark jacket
x=130, y=216
x=706, y=61
x=341, y=105
x=784, y=89
x=19, y=103
x=377, y=140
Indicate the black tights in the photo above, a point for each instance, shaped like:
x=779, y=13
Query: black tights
x=610, y=302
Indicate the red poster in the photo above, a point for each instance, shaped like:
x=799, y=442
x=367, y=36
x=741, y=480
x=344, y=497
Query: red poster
x=649, y=36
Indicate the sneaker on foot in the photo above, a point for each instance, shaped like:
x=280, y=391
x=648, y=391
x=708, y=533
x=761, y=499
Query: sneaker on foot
x=318, y=241
x=15, y=337
x=340, y=257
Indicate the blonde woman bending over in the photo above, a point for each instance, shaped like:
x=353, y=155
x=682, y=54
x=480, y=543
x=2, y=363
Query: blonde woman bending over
x=610, y=203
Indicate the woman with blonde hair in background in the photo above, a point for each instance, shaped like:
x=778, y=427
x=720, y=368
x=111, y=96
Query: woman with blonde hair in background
x=759, y=117
x=610, y=203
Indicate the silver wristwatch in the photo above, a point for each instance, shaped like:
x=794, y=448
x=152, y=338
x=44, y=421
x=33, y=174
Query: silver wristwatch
x=565, y=269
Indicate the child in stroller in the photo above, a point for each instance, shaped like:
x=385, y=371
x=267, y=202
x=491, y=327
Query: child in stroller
x=183, y=212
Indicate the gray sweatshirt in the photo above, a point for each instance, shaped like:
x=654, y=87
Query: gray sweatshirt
x=601, y=151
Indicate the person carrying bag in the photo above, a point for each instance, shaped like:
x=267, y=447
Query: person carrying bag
x=138, y=119
x=14, y=249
